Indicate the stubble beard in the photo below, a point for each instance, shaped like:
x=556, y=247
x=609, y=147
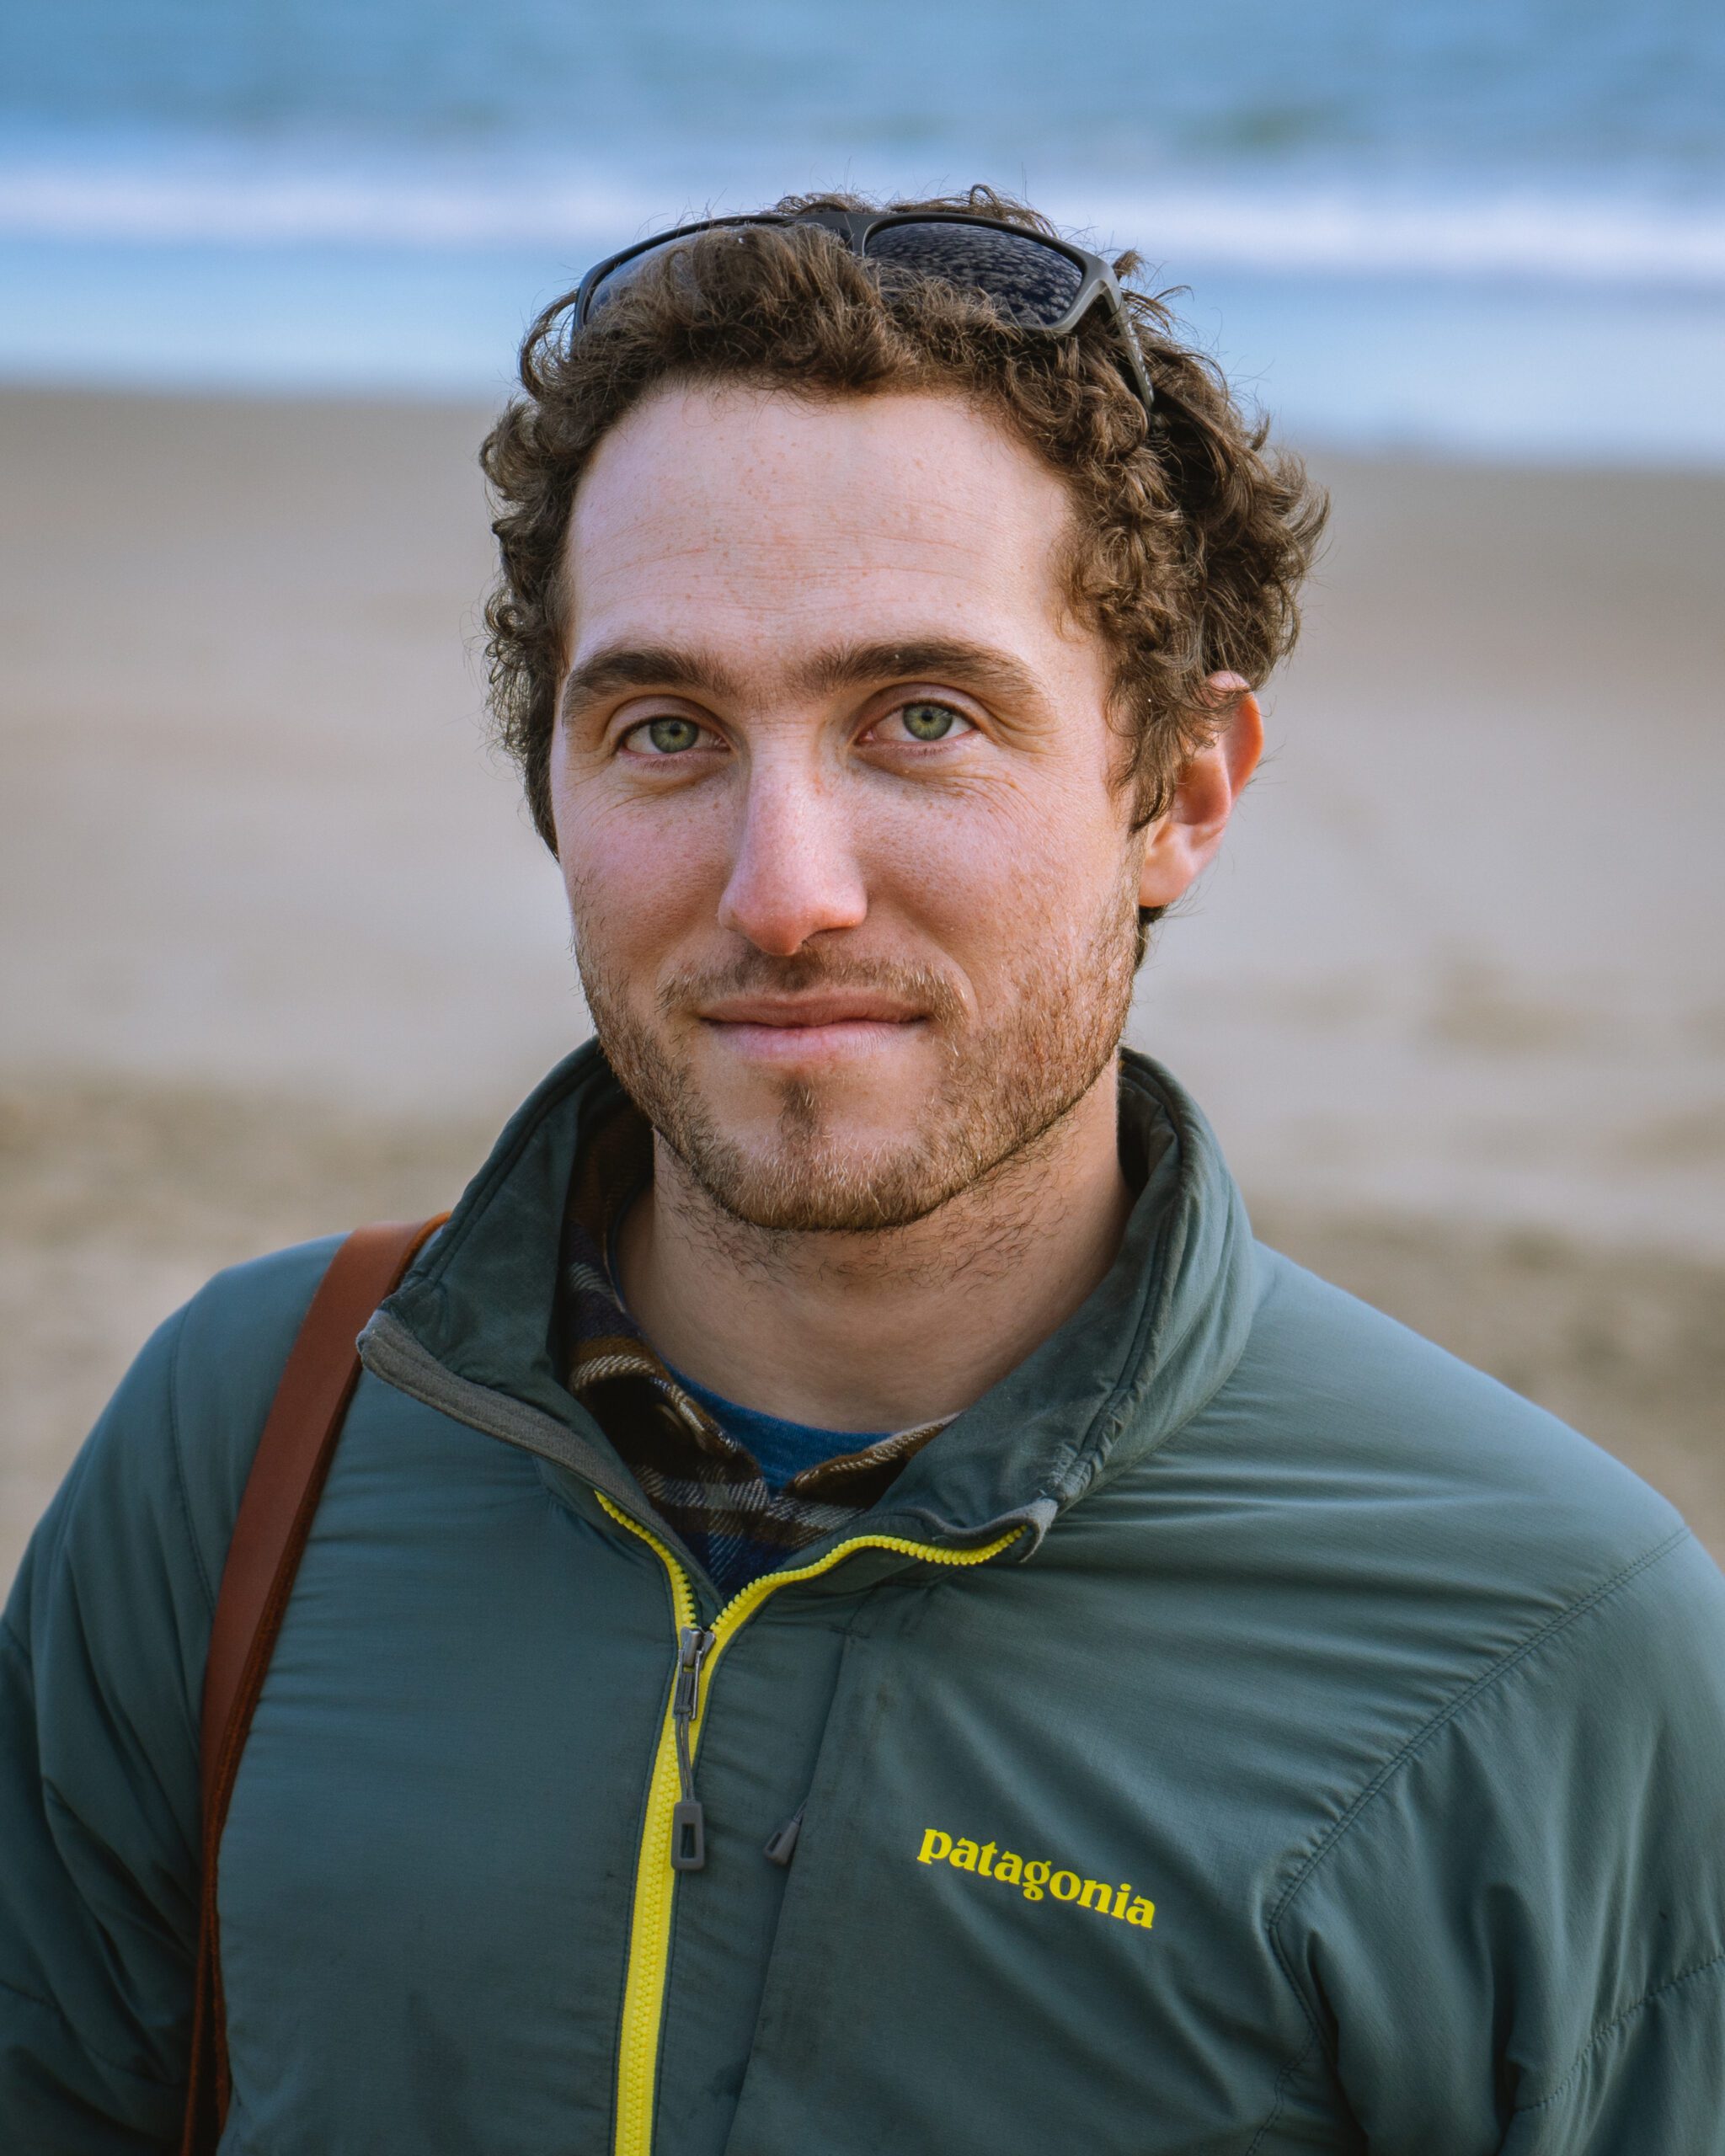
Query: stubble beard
x=1004, y=1088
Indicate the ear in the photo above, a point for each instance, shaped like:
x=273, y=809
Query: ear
x=1183, y=840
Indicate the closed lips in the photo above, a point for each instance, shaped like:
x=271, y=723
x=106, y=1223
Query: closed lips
x=835, y=1011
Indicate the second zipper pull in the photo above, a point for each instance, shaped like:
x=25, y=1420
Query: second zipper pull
x=688, y=1821
x=782, y=1847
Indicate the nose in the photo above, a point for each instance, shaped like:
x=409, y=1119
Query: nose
x=795, y=873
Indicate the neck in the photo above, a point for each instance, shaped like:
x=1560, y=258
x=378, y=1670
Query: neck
x=882, y=1331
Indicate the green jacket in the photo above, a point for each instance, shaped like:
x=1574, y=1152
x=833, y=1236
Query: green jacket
x=1245, y=1729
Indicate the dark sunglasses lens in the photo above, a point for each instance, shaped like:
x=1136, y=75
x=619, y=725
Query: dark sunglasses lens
x=1032, y=283
x=617, y=281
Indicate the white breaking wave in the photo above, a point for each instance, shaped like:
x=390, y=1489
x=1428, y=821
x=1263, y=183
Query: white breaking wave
x=211, y=204
x=1514, y=236
x=220, y=201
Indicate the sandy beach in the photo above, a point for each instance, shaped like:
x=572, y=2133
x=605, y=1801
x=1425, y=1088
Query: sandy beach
x=278, y=951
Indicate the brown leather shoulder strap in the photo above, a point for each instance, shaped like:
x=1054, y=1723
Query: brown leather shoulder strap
x=270, y=1534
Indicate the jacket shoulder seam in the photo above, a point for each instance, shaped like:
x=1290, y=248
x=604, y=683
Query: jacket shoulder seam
x=177, y=1446
x=1281, y=2094
x=1506, y=1663
x=1616, y=2021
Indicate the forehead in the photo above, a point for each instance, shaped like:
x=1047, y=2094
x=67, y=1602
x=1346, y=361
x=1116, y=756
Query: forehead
x=755, y=518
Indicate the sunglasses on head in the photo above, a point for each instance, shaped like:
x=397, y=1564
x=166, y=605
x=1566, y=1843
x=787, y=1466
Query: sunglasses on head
x=1044, y=285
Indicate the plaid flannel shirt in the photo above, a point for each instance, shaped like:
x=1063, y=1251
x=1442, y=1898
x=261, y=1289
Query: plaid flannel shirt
x=705, y=1486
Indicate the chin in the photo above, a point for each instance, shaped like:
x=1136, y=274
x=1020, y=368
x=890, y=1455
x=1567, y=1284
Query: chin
x=797, y=1174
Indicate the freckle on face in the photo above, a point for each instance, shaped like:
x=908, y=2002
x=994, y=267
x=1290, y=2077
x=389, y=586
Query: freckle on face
x=1002, y=907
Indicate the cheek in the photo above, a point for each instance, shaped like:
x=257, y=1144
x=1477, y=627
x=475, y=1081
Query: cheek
x=1002, y=864
x=642, y=874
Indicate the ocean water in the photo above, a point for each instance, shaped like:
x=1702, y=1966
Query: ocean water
x=1491, y=228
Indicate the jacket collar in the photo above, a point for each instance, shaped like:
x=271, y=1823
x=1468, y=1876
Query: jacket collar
x=472, y=1330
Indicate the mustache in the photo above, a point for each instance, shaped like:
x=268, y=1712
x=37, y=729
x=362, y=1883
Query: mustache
x=758, y=972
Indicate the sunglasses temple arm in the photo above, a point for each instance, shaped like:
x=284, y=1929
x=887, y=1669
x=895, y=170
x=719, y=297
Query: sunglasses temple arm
x=1127, y=337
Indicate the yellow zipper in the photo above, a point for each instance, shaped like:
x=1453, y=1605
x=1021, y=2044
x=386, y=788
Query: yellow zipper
x=655, y=1881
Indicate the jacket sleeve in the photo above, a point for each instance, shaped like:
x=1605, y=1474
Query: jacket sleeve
x=1515, y=1941
x=102, y=1657
x=104, y=1637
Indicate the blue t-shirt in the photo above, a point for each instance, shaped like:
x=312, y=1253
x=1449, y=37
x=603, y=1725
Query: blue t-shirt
x=781, y=1449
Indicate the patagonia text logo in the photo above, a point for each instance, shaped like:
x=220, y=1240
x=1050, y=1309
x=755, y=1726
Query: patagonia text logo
x=1036, y=1879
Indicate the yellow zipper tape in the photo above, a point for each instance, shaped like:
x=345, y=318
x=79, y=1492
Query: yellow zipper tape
x=655, y=1882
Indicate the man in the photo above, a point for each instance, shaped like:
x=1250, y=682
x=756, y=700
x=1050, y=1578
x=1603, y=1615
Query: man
x=856, y=1610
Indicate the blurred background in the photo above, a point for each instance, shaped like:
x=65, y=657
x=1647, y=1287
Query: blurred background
x=278, y=951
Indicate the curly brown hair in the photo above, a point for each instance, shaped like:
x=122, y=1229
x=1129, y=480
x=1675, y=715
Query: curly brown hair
x=1190, y=535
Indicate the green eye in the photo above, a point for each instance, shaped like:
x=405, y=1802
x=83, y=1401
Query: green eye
x=672, y=736
x=929, y=722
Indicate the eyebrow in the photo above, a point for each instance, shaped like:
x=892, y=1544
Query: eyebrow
x=948, y=658
x=616, y=667
x=643, y=666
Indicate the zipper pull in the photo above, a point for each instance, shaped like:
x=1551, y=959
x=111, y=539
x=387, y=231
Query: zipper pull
x=688, y=1822
x=783, y=1845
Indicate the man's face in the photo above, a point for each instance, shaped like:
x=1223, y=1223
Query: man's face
x=852, y=880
